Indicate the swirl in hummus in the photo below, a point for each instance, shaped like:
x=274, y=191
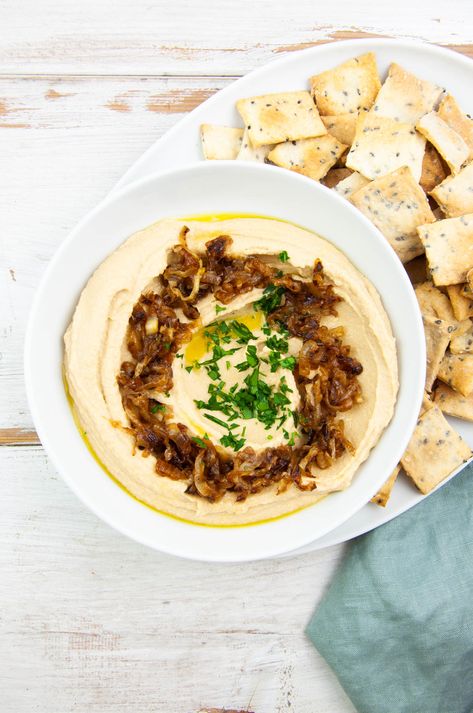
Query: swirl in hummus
x=231, y=371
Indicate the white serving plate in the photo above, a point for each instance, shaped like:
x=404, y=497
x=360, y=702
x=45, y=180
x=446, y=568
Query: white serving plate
x=181, y=146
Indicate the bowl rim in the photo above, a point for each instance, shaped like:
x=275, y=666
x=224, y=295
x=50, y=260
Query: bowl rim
x=44, y=428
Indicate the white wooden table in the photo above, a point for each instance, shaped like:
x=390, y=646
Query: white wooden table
x=91, y=622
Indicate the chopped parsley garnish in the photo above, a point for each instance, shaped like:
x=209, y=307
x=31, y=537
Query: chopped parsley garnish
x=219, y=308
x=288, y=363
x=251, y=357
x=230, y=441
x=241, y=330
x=157, y=407
x=219, y=332
x=213, y=372
x=283, y=329
x=283, y=256
x=216, y=420
x=199, y=441
x=253, y=397
x=271, y=299
x=290, y=438
x=278, y=344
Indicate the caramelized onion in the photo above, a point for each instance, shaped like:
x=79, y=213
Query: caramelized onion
x=326, y=374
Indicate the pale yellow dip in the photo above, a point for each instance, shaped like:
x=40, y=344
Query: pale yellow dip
x=95, y=348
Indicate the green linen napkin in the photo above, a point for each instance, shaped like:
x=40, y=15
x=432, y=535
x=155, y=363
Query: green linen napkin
x=396, y=625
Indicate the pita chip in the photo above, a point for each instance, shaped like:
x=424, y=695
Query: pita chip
x=351, y=184
x=434, y=451
x=469, y=280
x=397, y=205
x=438, y=333
x=220, y=142
x=248, y=153
x=311, y=157
x=426, y=403
x=334, y=176
x=449, y=248
x=348, y=88
x=433, y=302
x=274, y=118
x=462, y=343
x=433, y=169
x=384, y=493
x=342, y=161
x=451, y=113
x=453, y=403
x=455, y=194
x=466, y=290
x=462, y=306
x=448, y=143
x=383, y=145
x=456, y=370
x=404, y=97
x=342, y=126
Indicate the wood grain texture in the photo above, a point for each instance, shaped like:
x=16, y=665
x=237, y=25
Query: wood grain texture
x=64, y=144
x=17, y=436
x=54, y=131
x=203, y=36
x=91, y=621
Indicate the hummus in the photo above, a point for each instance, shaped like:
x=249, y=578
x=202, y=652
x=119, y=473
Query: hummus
x=95, y=348
x=191, y=385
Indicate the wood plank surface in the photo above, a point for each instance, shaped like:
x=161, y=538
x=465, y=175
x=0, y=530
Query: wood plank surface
x=212, y=37
x=90, y=621
x=93, y=622
x=64, y=143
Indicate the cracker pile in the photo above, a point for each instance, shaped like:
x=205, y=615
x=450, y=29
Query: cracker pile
x=401, y=151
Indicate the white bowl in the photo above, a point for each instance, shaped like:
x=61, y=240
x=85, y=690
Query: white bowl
x=213, y=188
